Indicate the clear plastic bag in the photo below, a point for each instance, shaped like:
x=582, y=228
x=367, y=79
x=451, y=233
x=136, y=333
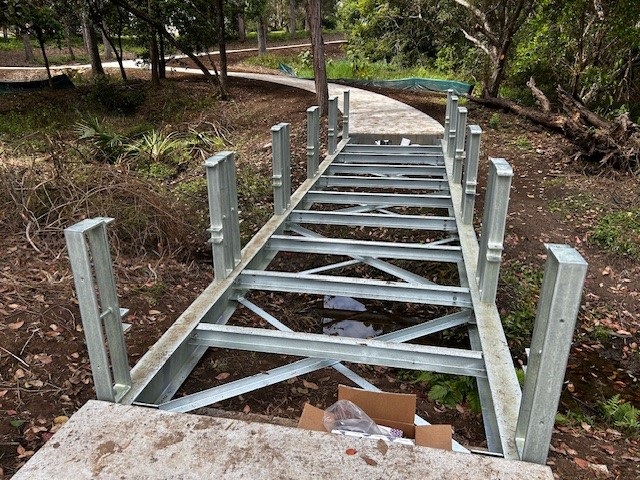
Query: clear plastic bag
x=346, y=416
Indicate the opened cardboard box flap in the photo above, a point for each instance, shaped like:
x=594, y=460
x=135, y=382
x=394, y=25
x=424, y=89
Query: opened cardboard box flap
x=396, y=410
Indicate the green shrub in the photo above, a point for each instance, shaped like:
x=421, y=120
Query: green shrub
x=622, y=414
x=115, y=97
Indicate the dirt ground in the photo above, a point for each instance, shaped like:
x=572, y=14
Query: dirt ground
x=44, y=370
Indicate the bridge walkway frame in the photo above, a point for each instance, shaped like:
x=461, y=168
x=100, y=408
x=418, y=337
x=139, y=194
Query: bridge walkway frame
x=428, y=191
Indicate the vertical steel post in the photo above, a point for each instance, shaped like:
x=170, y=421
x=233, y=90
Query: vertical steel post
x=223, y=213
x=345, y=115
x=470, y=181
x=453, y=122
x=332, y=134
x=87, y=243
x=558, y=307
x=281, y=167
x=461, y=129
x=493, y=222
x=447, y=115
x=313, y=141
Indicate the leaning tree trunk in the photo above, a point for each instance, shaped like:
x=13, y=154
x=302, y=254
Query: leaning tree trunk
x=499, y=61
x=40, y=37
x=108, y=49
x=319, y=65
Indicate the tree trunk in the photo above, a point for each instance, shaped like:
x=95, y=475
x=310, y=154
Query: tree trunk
x=40, y=37
x=292, y=16
x=162, y=61
x=69, y=38
x=222, y=46
x=499, y=69
x=262, y=36
x=242, y=32
x=117, y=51
x=108, y=49
x=153, y=54
x=28, y=48
x=317, y=46
x=92, y=46
x=5, y=32
x=612, y=144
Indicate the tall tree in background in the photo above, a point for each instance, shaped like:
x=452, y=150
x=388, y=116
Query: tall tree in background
x=314, y=16
x=491, y=26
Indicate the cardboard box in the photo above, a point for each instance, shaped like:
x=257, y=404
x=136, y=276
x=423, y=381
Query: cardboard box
x=395, y=410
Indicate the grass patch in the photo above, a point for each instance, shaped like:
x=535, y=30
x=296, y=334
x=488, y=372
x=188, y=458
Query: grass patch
x=520, y=283
x=619, y=232
x=574, y=204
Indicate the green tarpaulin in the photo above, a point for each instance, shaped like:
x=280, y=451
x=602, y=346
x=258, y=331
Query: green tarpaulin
x=414, y=84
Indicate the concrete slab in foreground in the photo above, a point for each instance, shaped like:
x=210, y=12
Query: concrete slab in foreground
x=104, y=440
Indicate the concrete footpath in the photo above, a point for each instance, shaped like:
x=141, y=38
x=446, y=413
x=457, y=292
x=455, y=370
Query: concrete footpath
x=371, y=116
x=108, y=441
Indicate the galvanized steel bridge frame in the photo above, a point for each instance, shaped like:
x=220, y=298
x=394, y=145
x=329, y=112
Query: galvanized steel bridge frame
x=375, y=185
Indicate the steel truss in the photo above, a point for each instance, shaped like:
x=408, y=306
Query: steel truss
x=344, y=192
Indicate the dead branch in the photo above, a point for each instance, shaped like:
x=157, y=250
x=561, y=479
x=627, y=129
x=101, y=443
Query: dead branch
x=540, y=97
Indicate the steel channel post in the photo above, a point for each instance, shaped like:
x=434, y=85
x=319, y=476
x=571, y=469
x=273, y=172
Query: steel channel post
x=229, y=166
x=558, y=307
x=217, y=193
x=286, y=156
x=470, y=180
x=453, y=122
x=461, y=128
x=87, y=241
x=493, y=224
x=345, y=115
x=313, y=141
x=332, y=134
x=277, y=147
x=447, y=115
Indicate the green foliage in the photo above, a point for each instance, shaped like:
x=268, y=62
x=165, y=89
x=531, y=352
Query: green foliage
x=573, y=203
x=619, y=232
x=448, y=390
x=105, y=145
x=622, y=414
x=115, y=97
x=494, y=120
x=520, y=284
x=572, y=417
x=10, y=44
x=522, y=143
x=192, y=188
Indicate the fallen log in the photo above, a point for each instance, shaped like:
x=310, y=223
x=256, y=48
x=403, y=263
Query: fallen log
x=614, y=143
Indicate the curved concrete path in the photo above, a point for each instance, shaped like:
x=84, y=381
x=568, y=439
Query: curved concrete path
x=371, y=116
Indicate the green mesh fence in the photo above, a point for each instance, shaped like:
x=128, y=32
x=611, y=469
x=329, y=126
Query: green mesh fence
x=414, y=84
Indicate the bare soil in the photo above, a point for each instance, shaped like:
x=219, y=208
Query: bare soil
x=44, y=371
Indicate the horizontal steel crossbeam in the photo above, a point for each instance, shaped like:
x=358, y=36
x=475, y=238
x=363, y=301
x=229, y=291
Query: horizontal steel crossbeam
x=391, y=159
x=414, y=222
x=354, y=287
x=339, y=246
x=408, y=183
x=395, y=149
x=380, y=199
x=372, y=352
x=392, y=170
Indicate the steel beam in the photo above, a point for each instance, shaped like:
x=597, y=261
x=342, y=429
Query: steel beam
x=391, y=158
x=380, y=199
x=393, y=149
x=408, y=183
x=415, y=222
x=358, y=288
x=390, y=170
x=372, y=352
x=339, y=246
